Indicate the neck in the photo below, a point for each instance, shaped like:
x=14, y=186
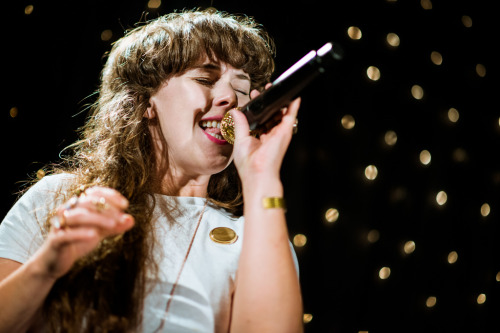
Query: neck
x=175, y=184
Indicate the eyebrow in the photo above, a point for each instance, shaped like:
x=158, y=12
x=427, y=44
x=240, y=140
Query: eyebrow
x=214, y=67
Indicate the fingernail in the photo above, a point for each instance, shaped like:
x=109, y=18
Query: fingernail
x=125, y=218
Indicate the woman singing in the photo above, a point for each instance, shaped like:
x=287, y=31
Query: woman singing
x=155, y=223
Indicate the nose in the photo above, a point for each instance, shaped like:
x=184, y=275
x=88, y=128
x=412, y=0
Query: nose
x=225, y=96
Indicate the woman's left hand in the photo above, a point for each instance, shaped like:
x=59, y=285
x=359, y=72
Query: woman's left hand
x=255, y=156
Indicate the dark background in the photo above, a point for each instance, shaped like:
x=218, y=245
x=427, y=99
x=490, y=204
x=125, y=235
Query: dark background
x=51, y=64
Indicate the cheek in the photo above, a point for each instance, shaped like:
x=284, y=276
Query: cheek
x=179, y=114
x=242, y=100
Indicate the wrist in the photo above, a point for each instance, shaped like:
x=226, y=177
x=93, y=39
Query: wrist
x=41, y=265
x=39, y=272
x=261, y=187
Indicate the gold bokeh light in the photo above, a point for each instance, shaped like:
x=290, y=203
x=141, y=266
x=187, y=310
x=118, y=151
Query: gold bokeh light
x=106, y=35
x=384, y=273
x=307, y=317
x=481, y=70
x=426, y=4
x=459, y=155
x=409, y=247
x=436, y=58
x=373, y=73
x=453, y=115
x=40, y=174
x=28, y=9
x=390, y=138
x=373, y=236
x=485, y=209
x=153, y=4
x=299, y=240
x=441, y=198
x=354, y=33
x=452, y=257
x=13, y=112
x=425, y=157
x=431, y=301
x=393, y=39
x=481, y=298
x=348, y=121
x=371, y=172
x=332, y=215
x=417, y=92
x=467, y=21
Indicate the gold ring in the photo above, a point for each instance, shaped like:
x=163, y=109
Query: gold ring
x=80, y=191
x=100, y=204
x=71, y=203
x=58, y=222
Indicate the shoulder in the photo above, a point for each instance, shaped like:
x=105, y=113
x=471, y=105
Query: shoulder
x=22, y=230
x=43, y=196
x=49, y=186
x=55, y=182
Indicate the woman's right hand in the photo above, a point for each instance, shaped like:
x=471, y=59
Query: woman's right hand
x=81, y=224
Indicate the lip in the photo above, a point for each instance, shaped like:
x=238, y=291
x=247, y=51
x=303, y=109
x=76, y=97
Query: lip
x=216, y=118
x=214, y=139
x=210, y=137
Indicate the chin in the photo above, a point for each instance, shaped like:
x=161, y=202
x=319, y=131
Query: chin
x=220, y=166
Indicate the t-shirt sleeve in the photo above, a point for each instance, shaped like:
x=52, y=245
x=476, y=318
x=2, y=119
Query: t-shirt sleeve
x=295, y=260
x=21, y=231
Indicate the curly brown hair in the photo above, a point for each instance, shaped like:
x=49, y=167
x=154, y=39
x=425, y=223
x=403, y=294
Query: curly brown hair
x=104, y=291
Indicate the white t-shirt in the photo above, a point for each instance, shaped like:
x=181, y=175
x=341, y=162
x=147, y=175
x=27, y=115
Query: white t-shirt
x=202, y=298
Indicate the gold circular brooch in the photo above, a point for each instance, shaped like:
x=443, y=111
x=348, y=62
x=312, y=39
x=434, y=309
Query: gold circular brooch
x=223, y=235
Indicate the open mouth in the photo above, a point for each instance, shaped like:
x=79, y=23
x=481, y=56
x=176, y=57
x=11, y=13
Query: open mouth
x=212, y=128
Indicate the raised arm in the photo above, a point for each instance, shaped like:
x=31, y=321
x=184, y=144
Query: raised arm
x=24, y=287
x=267, y=296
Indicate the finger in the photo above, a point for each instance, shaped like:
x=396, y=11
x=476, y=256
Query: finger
x=288, y=120
x=241, y=127
x=254, y=93
x=291, y=113
x=293, y=108
x=81, y=217
x=86, y=212
x=99, y=204
x=61, y=238
x=111, y=196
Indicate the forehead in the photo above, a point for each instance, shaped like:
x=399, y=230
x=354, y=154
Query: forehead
x=214, y=65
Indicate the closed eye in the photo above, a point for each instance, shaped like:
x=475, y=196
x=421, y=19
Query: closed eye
x=209, y=83
x=205, y=81
x=243, y=92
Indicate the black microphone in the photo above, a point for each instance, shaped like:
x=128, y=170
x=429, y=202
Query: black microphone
x=261, y=110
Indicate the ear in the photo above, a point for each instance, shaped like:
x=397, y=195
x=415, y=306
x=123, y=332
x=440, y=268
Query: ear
x=150, y=112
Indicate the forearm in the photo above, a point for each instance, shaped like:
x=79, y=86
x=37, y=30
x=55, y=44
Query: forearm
x=267, y=296
x=22, y=294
